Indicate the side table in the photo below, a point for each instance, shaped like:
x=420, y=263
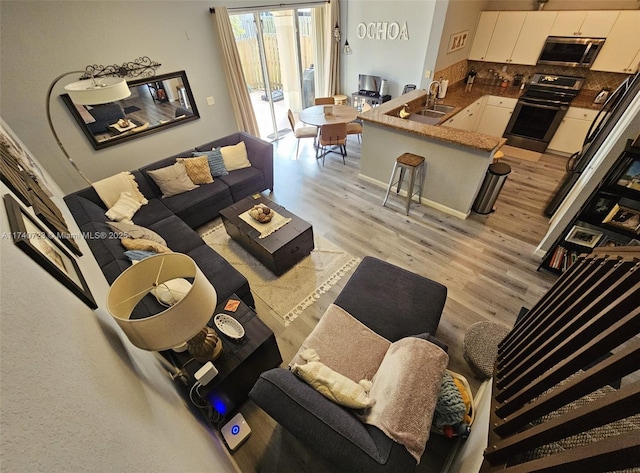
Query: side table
x=240, y=364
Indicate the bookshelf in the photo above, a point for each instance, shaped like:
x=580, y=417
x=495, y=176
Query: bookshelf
x=609, y=218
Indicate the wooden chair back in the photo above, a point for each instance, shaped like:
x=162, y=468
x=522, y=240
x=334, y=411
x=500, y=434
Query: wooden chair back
x=333, y=134
x=292, y=120
x=324, y=101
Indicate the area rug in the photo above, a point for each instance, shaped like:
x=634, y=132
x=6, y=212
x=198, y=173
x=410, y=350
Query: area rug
x=291, y=293
x=131, y=109
x=520, y=153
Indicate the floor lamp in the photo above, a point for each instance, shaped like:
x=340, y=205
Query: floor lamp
x=93, y=91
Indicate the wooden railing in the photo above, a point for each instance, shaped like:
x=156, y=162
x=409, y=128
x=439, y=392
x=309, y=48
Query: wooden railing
x=566, y=387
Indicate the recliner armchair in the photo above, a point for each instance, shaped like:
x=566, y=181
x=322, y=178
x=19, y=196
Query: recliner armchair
x=394, y=303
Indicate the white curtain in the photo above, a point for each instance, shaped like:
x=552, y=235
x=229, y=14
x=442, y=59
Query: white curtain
x=332, y=48
x=239, y=94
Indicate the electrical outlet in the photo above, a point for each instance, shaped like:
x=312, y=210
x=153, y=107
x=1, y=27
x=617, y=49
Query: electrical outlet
x=427, y=74
x=210, y=101
x=504, y=68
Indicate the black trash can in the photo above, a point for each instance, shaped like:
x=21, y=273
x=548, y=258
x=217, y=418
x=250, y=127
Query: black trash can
x=491, y=186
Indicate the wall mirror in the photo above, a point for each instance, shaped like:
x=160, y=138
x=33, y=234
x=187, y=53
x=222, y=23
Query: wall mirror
x=155, y=104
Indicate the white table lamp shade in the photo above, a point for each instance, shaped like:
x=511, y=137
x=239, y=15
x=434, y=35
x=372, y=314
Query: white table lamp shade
x=98, y=91
x=173, y=326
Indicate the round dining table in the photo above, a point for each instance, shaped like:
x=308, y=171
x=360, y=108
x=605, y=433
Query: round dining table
x=339, y=114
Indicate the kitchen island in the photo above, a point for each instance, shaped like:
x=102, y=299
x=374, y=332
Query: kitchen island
x=456, y=160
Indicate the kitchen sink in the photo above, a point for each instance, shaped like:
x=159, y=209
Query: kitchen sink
x=440, y=107
x=431, y=113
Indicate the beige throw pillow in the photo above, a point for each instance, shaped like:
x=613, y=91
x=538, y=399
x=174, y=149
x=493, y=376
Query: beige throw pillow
x=110, y=188
x=124, y=208
x=172, y=180
x=129, y=230
x=235, y=157
x=197, y=169
x=145, y=245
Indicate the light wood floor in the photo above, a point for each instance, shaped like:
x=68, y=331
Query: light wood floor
x=486, y=262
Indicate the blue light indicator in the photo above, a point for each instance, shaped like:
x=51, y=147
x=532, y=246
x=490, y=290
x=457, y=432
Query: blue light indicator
x=235, y=430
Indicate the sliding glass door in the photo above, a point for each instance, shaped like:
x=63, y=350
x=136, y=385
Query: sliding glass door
x=280, y=54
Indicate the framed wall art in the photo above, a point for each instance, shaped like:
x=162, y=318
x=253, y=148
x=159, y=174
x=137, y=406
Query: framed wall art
x=45, y=248
x=20, y=173
x=457, y=41
x=583, y=236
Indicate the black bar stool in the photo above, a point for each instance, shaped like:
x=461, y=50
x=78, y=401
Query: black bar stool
x=413, y=163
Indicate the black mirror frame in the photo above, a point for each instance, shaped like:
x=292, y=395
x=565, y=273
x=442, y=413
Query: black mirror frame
x=116, y=140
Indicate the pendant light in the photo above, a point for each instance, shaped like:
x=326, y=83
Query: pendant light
x=346, y=48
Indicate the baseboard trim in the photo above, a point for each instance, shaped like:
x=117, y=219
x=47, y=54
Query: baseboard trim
x=423, y=201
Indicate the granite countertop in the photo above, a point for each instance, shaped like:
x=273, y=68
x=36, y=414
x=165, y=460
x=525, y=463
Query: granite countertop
x=387, y=113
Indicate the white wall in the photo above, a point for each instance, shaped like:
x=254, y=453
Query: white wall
x=76, y=395
x=42, y=39
x=399, y=61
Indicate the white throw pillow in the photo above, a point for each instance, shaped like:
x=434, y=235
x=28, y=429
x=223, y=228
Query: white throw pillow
x=124, y=208
x=235, y=157
x=172, y=180
x=333, y=385
x=171, y=292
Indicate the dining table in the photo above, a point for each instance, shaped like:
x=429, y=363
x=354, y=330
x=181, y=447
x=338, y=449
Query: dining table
x=319, y=115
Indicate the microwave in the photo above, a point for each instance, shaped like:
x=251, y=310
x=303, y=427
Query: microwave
x=569, y=51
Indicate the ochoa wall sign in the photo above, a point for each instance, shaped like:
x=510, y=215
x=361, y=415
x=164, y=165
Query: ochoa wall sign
x=382, y=30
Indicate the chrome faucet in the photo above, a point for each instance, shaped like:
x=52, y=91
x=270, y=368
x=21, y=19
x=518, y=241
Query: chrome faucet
x=433, y=94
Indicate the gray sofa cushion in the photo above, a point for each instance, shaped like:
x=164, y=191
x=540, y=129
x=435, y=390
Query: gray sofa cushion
x=378, y=292
x=200, y=205
x=244, y=182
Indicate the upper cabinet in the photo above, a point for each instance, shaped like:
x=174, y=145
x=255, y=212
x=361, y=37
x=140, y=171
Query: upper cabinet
x=483, y=35
x=621, y=50
x=512, y=37
x=594, y=24
x=533, y=34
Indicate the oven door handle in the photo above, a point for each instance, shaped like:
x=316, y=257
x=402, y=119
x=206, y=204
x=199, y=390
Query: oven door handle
x=557, y=105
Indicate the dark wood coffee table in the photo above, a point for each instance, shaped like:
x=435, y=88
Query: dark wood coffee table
x=279, y=251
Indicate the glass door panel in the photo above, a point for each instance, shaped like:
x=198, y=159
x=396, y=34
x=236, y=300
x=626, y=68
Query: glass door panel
x=278, y=54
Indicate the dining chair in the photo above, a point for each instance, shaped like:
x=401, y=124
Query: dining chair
x=332, y=134
x=355, y=128
x=302, y=132
x=324, y=101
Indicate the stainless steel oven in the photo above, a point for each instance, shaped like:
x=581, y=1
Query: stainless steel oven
x=540, y=110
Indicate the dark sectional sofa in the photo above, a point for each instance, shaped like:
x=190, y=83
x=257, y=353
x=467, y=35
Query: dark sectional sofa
x=175, y=218
x=394, y=303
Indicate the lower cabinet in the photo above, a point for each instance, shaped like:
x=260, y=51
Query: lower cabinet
x=496, y=115
x=488, y=115
x=468, y=118
x=572, y=130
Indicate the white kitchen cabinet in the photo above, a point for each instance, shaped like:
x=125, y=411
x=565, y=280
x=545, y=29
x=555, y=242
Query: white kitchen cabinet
x=505, y=35
x=572, y=130
x=621, y=49
x=468, y=118
x=533, y=34
x=482, y=37
x=496, y=115
x=595, y=24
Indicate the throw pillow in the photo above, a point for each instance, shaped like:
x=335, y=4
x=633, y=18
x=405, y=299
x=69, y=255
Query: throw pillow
x=142, y=244
x=216, y=164
x=172, y=180
x=235, y=156
x=124, y=208
x=197, y=169
x=171, y=292
x=110, y=188
x=333, y=385
x=128, y=230
x=138, y=255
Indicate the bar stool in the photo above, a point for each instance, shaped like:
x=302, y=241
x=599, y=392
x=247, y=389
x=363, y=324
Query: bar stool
x=497, y=156
x=413, y=163
x=340, y=99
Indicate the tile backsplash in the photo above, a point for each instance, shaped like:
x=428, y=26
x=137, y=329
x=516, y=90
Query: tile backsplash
x=594, y=80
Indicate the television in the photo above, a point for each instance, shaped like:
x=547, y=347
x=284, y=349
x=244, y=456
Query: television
x=369, y=84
